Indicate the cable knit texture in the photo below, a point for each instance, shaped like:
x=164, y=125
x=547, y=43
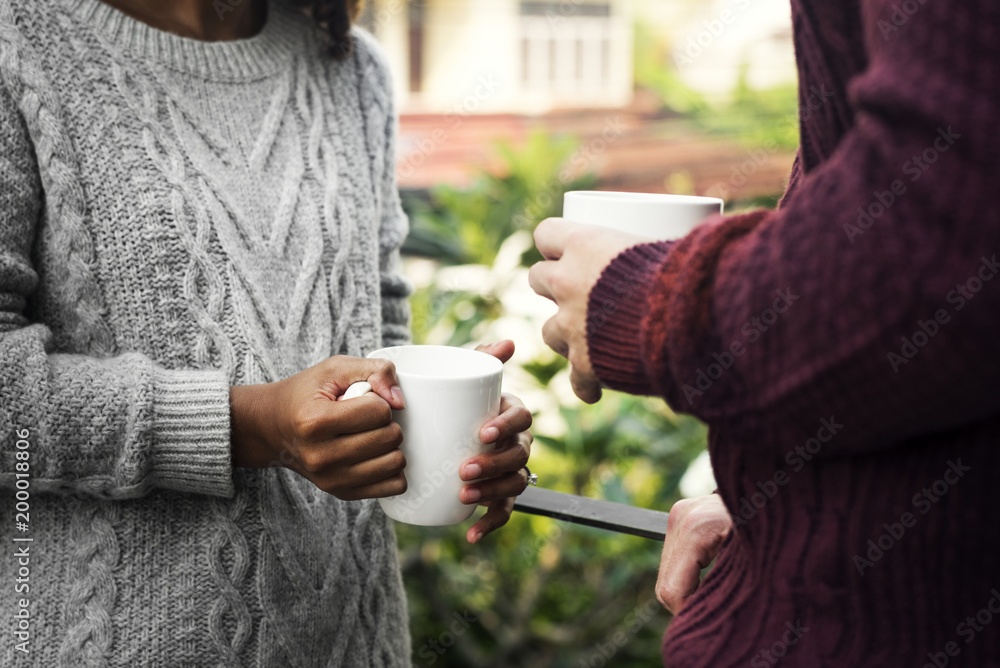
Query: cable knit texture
x=177, y=217
x=844, y=352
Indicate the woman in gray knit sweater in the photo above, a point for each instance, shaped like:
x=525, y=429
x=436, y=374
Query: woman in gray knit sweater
x=197, y=210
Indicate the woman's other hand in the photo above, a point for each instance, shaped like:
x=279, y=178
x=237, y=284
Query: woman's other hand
x=497, y=477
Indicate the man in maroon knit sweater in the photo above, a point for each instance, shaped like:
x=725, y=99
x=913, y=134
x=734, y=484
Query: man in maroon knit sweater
x=844, y=350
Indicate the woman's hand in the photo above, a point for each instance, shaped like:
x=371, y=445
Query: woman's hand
x=499, y=475
x=695, y=531
x=576, y=257
x=349, y=449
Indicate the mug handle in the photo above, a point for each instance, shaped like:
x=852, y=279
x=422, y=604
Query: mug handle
x=358, y=389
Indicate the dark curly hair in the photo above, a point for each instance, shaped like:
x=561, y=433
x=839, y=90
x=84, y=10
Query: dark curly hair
x=334, y=19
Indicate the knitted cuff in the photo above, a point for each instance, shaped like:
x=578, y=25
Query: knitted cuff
x=192, y=423
x=615, y=310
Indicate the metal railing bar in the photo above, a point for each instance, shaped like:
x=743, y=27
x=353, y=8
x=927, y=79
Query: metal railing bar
x=617, y=517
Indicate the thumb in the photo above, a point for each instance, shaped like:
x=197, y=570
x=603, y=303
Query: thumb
x=502, y=350
x=585, y=387
x=680, y=574
x=384, y=381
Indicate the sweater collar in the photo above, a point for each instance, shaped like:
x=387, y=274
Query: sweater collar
x=285, y=34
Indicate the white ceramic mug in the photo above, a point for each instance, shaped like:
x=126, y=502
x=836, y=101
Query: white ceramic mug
x=649, y=215
x=450, y=393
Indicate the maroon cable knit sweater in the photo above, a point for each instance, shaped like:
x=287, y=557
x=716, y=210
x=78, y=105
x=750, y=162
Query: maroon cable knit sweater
x=845, y=351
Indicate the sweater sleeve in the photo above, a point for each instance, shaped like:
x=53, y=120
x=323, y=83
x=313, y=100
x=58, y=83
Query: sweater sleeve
x=614, y=317
x=113, y=428
x=871, y=296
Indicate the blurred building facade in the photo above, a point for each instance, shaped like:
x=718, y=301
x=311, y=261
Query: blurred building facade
x=488, y=56
x=470, y=72
x=714, y=43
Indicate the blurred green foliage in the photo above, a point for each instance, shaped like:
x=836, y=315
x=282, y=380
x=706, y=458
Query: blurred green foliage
x=753, y=117
x=654, y=71
x=756, y=118
x=468, y=226
x=538, y=592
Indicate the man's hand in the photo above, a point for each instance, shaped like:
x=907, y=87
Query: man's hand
x=576, y=256
x=499, y=475
x=695, y=531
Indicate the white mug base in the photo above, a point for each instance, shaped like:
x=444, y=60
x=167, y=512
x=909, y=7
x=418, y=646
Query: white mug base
x=397, y=510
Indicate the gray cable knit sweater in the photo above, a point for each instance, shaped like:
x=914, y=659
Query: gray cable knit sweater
x=177, y=217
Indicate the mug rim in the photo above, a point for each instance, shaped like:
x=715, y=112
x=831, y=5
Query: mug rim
x=465, y=374
x=645, y=198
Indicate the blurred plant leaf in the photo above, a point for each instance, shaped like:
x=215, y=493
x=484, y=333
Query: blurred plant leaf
x=468, y=226
x=544, y=371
